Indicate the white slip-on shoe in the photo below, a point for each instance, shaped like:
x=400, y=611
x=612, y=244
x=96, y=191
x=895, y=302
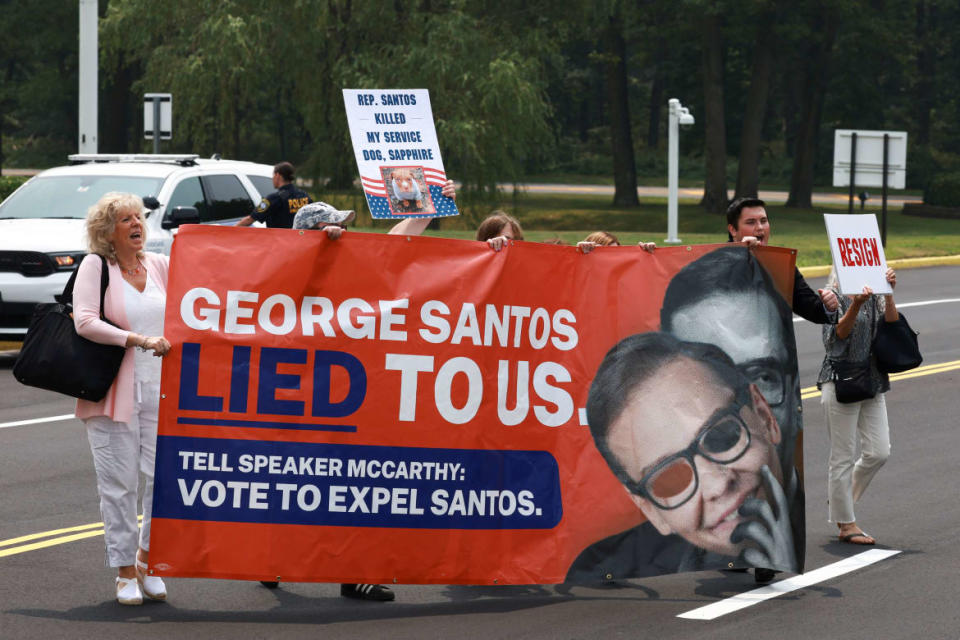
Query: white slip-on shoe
x=128, y=591
x=152, y=586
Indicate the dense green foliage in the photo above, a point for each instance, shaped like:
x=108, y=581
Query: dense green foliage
x=517, y=88
x=943, y=190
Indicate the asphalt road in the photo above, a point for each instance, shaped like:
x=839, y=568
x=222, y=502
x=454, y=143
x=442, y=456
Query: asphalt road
x=64, y=591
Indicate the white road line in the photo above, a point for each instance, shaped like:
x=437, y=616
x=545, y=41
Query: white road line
x=20, y=423
x=907, y=305
x=750, y=598
x=904, y=305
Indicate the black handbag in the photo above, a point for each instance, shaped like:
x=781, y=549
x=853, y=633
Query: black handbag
x=851, y=381
x=896, y=346
x=55, y=358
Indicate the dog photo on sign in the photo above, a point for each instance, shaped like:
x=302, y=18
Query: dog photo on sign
x=407, y=190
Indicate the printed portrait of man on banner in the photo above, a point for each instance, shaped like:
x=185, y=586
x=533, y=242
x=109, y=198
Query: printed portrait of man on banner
x=699, y=423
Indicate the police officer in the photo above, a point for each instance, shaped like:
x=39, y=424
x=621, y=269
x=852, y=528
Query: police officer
x=279, y=208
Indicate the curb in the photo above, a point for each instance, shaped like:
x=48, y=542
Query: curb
x=902, y=263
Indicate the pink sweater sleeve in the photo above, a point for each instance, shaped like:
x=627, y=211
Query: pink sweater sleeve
x=86, y=306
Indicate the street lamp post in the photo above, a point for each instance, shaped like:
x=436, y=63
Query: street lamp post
x=87, y=63
x=679, y=116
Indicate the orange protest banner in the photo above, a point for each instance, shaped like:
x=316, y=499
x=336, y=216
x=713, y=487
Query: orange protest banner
x=414, y=410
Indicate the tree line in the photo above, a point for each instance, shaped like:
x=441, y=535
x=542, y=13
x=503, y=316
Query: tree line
x=518, y=88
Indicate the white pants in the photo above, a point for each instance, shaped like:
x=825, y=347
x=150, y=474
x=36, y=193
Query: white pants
x=122, y=451
x=850, y=424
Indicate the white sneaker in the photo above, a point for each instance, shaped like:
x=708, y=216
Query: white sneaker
x=128, y=591
x=152, y=586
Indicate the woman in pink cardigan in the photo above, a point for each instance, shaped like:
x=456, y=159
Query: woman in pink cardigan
x=122, y=428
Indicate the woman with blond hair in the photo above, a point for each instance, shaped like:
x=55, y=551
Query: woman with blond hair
x=122, y=428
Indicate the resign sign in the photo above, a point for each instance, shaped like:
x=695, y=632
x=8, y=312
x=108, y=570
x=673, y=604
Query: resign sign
x=383, y=408
x=857, y=252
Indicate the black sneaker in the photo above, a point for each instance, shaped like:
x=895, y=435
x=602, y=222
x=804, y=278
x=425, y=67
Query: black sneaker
x=375, y=592
x=270, y=584
x=763, y=576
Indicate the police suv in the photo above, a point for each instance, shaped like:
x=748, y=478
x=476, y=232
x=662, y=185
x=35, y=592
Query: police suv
x=42, y=235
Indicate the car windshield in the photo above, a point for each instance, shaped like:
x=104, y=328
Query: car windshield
x=71, y=196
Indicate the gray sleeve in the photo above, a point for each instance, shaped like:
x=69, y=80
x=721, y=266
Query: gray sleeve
x=831, y=343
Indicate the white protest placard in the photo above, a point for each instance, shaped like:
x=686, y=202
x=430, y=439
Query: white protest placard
x=397, y=152
x=857, y=252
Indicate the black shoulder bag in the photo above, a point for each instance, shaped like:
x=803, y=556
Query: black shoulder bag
x=896, y=346
x=851, y=380
x=55, y=358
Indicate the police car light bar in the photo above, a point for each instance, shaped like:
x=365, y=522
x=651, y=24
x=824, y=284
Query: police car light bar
x=185, y=159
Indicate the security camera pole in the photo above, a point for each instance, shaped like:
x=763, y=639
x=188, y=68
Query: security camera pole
x=677, y=115
x=88, y=62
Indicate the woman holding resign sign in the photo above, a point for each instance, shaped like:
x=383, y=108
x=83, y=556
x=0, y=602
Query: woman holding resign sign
x=853, y=397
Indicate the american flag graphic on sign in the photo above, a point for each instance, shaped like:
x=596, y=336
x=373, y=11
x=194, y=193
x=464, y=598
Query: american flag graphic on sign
x=380, y=206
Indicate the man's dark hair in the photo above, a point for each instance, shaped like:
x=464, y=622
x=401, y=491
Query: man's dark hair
x=629, y=364
x=736, y=207
x=285, y=170
x=727, y=270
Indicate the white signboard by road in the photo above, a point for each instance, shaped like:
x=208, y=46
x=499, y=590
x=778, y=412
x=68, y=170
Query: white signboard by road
x=857, y=252
x=869, y=169
x=397, y=152
x=166, y=115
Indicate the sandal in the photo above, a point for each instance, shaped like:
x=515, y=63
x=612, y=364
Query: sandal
x=851, y=538
x=128, y=591
x=152, y=586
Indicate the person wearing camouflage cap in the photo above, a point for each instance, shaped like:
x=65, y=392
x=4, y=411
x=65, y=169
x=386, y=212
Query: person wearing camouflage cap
x=322, y=216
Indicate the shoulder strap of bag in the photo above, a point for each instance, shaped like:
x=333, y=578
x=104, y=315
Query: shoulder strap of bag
x=66, y=297
x=104, y=281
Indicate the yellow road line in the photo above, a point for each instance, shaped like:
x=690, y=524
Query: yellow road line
x=916, y=373
x=97, y=530
x=47, y=534
x=927, y=370
x=49, y=543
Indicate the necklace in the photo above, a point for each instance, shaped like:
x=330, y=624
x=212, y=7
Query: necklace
x=131, y=272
